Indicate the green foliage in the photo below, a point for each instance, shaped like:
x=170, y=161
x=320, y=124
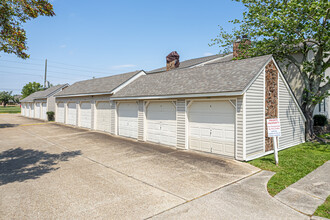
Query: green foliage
x=5, y=97
x=30, y=88
x=13, y=13
x=294, y=163
x=10, y=109
x=320, y=120
x=283, y=28
x=51, y=116
x=324, y=209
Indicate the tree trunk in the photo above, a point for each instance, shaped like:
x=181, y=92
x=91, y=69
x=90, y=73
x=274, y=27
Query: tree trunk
x=309, y=132
x=4, y=105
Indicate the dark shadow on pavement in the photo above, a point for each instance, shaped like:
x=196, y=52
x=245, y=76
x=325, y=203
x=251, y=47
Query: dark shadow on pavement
x=8, y=125
x=19, y=164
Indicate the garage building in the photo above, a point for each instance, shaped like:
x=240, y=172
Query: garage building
x=38, y=103
x=220, y=108
x=87, y=103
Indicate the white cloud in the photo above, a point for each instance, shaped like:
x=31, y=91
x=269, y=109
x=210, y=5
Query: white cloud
x=208, y=54
x=123, y=66
x=63, y=46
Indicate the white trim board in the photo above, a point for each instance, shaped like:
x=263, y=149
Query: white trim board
x=141, y=73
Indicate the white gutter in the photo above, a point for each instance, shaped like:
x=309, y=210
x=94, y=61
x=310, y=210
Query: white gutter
x=85, y=94
x=180, y=96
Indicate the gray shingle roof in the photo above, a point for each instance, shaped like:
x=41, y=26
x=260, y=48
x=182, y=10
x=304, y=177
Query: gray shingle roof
x=189, y=63
x=219, y=77
x=43, y=94
x=97, y=85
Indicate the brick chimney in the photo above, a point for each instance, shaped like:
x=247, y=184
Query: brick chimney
x=240, y=46
x=172, y=61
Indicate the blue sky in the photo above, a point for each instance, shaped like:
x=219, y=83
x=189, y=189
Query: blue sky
x=100, y=38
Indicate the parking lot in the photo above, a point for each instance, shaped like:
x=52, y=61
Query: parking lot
x=49, y=170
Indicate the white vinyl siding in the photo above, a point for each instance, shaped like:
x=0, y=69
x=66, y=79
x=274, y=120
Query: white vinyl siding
x=103, y=116
x=161, y=123
x=292, y=122
x=239, y=129
x=38, y=110
x=44, y=110
x=181, y=123
x=212, y=127
x=128, y=119
x=60, y=112
x=85, y=115
x=255, y=117
x=71, y=113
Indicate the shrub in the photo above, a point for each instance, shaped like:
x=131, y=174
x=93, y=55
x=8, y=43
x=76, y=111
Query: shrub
x=51, y=116
x=320, y=120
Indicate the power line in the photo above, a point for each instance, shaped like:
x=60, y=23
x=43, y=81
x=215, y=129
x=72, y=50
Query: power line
x=87, y=69
x=21, y=62
x=50, y=71
x=34, y=75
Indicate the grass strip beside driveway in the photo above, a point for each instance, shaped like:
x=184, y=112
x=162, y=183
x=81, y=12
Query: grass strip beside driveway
x=324, y=209
x=10, y=109
x=294, y=163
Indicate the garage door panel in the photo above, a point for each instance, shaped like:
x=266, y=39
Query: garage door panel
x=37, y=110
x=72, y=113
x=128, y=119
x=85, y=115
x=212, y=126
x=60, y=113
x=103, y=122
x=161, y=123
x=44, y=110
x=32, y=111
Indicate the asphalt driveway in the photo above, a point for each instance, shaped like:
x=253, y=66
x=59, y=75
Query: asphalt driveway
x=49, y=170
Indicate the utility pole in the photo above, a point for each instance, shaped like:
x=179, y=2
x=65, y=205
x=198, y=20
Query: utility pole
x=45, y=81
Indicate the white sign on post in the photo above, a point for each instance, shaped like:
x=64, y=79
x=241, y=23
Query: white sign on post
x=274, y=130
x=274, y=127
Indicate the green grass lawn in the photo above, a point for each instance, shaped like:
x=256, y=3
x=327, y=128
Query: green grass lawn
x=294, y=163
x=10, y=109
x=324, y=209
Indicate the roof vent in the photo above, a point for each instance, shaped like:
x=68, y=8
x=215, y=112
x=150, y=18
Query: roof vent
x=172, y=61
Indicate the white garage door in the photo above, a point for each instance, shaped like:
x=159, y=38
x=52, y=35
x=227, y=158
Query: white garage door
x=85, y=115
x=44, y=110
x=161, y=123
x=72, y=114
x=37, y=110
x=27, y=107
x=103, y=116
x=32, y=110
x=60, y=112
x=212, y=127
x=128, y=119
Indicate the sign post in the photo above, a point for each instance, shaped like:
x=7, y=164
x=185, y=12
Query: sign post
x=274, y=130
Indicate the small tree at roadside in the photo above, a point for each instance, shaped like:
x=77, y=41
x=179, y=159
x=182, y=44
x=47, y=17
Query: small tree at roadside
x=5, y=97
x=30, y=88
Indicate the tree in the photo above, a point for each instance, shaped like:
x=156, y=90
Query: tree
x=30, y=88
x=284, y=28
x=13, y=13
x=5, y=97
